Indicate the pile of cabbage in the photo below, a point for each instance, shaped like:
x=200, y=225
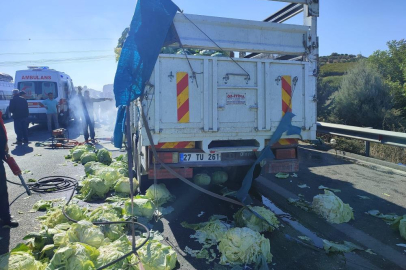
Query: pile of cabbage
x=239, y=242
x=101, y=179
x=62, y=244
x=65, y=244
x=87, y=153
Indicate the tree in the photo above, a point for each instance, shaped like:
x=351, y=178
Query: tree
x=392, y=65
x=363, y=98
x=120, y=43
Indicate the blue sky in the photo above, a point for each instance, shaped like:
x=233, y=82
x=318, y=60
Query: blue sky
x=84, y=33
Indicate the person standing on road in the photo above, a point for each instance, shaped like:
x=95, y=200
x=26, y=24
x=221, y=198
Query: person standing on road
x=19, y=108
x=88, y=120
x=52, y=111
x=4, y=204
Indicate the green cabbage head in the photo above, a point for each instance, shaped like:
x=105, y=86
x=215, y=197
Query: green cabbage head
x=245, y=218
x=92, y=167
x=159, y=194
x=155, y=256
x=123, y=185
x=20, y=258
x=109, y=175
x=86, y=232
x=244, y=246
x=202, y=179
x=142, y=207
x=87, y=157
x=104, y=156
x=219, y=177
x=77, y=256
x=402, y=227
x=113, y=251
x=77, y=154
x=332, y=208
x=93, y=188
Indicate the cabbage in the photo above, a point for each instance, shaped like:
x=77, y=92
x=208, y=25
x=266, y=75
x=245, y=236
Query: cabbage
x=94, y=188
x=245, y=218
x=208, y=233
x=202, y=179
x=337, y=247
x=121, y=167
x=92, y=167
x=402, y=227
x=20, y=260
x=123, y=185
x=159, y=194
x=219, y=177
x=75, y=256
x=87, y=157
x=142, y=207
x=85, y=147
x=123, y=158
x=107, y=212
x=53, y=217
x=154, y=256
x=113, y=251
x=77, y=154
x=85, y=232
x=332, y=208
x=42, y=205
x=119, y=164
x=75, y=212
x=109, y=175
x=104, y=156
x=244, y=246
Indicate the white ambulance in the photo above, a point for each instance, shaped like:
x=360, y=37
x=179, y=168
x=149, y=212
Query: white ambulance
x=6, y=90
x=37, y=82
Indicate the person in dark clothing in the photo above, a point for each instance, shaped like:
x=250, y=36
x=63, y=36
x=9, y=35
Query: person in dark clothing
x=19, y=108
x=88, y=121
x=4, y=204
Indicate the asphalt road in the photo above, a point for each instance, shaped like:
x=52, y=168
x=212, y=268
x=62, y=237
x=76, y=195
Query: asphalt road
x=385, y=188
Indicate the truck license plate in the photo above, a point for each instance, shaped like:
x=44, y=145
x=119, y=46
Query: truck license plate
x=196, y=157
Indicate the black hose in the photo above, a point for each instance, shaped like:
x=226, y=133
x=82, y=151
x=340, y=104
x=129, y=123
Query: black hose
x=54, y=184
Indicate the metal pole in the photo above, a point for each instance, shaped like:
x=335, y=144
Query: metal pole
x=367, y=148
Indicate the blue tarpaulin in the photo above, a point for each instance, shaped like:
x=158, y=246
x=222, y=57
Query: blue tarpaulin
x=151, y=28
x=284, y=126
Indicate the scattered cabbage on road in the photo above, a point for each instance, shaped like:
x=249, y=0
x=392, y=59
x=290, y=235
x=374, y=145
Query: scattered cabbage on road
x=245, y=218
x=208, y=233
x=332, y=208
x=93, y=188
x=143, y=207
x=85, y=232
x=155, y=256
x=244, y=246
x=113, y=251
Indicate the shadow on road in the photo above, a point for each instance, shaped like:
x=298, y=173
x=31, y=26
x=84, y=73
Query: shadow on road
x=21, y=150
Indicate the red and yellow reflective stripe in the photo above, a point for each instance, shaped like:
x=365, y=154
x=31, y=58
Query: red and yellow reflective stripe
x=286, y=107
x=182, y=87
x=286, y=94
x=283, y=142
x=175, y=145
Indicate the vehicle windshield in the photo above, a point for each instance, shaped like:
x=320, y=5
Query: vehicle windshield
x=38, y=90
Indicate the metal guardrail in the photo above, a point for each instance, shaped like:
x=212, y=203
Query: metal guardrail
x=365, y=134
